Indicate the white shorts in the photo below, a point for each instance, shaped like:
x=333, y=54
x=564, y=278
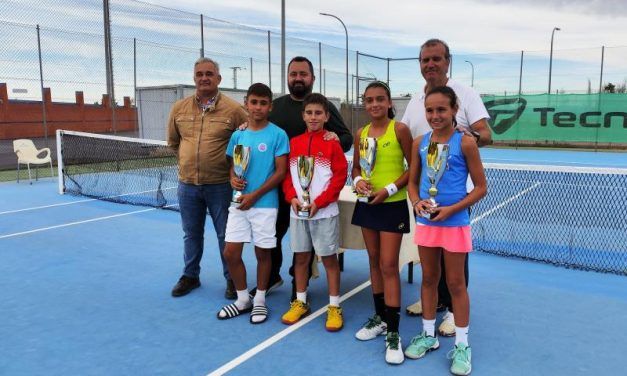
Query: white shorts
x=258, y=224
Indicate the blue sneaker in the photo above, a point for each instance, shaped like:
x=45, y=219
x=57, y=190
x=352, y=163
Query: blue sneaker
x=420, y=345
x=461, y=359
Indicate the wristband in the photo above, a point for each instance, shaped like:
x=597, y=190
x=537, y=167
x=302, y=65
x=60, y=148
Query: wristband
x=391, y=188
x=356, y=180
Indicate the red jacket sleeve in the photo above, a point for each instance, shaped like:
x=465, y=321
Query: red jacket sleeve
x=338, y=180
x=288, y=185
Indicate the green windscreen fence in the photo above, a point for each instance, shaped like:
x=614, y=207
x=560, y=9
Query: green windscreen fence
x=595, y=120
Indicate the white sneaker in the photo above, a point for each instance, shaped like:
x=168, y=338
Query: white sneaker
x=447, y=327
x=394, y=349
x=414, y=309
x=372, y=328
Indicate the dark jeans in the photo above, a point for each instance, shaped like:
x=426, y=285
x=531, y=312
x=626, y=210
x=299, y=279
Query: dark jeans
x=282, y=225
x=195, y=201
x=444, y=296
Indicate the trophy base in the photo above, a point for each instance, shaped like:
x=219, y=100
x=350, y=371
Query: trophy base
x=303, y=214
x=236, y=198
x=429, y=215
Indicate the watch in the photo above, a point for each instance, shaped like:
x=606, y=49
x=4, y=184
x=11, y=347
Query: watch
x=476, y=135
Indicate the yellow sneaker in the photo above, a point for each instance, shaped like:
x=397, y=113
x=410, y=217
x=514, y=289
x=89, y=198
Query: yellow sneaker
x=335, y=321
x=297, y=311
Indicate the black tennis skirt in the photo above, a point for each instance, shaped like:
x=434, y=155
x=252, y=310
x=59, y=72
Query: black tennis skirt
x=387, y=216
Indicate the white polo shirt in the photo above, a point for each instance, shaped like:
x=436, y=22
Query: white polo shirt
x=471, y=109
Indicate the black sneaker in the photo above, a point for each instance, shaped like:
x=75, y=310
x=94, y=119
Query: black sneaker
x=185, y=285
x=229, y=292
x=273, y=286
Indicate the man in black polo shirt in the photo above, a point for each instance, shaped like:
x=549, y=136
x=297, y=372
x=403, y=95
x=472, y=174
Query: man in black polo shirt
x=287, y=114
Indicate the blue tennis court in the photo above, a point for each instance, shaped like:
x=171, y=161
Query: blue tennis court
x=87, y=292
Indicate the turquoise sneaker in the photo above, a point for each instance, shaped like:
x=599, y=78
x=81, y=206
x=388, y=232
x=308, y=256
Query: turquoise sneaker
x=420, y=345
x=461, y=359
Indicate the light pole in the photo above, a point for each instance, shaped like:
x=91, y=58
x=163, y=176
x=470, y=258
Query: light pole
x=282, y=47
x=472, y=77
x=346, y=32
x=235, y=69
x=551, y=56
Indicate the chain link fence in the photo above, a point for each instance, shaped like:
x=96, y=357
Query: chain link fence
x=156, y=46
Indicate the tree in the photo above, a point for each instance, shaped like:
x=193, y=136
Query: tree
x=609, y=88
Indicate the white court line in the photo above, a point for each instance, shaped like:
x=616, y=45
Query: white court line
x=80, y=201
x=504, y=203
x=48, y=206
x=275, y=338
x=77, y=223
x=280, y=335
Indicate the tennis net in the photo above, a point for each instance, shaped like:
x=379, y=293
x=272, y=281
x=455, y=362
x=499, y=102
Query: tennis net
x=119, y=169
x=568, y=216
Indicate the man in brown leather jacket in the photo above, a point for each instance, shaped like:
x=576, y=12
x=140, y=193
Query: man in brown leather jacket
x=199, y=129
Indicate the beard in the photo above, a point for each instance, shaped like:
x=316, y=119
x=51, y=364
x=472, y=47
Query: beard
x=299, y=90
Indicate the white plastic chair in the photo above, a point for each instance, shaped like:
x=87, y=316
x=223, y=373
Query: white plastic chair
x=28, y=154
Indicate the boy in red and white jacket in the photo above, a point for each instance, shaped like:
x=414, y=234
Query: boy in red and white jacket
x=320, y=228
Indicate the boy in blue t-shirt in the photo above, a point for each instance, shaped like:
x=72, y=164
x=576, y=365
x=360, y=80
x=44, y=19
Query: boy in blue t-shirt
x=254, y=216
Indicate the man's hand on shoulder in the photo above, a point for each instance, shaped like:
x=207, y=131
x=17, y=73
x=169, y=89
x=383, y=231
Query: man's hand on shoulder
x=469, y=132
x=481, y=131
x=330, y=136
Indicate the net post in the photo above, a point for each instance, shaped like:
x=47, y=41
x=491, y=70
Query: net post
x=60, y=162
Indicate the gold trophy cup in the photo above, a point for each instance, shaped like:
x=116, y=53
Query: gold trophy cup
x=437, y=156
x=305, y=167
x=241, y=159
x=367, y=158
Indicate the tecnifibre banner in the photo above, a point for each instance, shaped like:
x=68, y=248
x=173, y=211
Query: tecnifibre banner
x=563, y=118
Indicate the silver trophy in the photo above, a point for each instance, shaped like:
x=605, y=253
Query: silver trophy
x=241, y=159
x=367, y=158
x=305, y=168
x=437, y=157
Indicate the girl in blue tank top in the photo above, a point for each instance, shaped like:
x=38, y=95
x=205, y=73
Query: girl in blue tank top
x=443, y=229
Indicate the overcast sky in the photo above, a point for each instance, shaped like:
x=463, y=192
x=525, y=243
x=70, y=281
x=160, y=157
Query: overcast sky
x=488, y=33
x=396, y=27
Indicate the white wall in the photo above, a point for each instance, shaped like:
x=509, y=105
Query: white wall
x=154, y=104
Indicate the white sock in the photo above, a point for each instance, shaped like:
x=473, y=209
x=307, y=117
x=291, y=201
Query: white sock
x=243, y=300
x=334, y=301
x=461, y=335
x=429, y=327
x=260, y=298
x=302, y=296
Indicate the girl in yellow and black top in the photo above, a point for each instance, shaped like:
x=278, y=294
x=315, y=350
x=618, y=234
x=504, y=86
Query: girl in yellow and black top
x=385, y=218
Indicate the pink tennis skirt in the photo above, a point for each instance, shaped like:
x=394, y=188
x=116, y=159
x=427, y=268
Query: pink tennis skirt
x=452, y=239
